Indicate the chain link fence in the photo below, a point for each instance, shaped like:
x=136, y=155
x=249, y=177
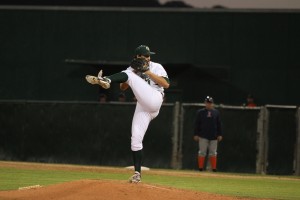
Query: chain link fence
x=264, y=140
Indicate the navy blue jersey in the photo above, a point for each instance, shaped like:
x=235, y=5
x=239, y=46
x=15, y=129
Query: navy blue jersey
x=208, y=124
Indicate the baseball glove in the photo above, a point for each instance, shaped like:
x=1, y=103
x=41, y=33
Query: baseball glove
x=139, y=64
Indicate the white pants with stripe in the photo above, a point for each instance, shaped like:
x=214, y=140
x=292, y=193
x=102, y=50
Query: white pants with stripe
x=149, y=101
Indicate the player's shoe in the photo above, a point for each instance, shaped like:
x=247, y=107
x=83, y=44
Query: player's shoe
x=136, y=178
x=102, y=81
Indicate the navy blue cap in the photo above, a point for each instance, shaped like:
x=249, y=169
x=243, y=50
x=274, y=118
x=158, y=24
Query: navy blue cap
x=209, y=99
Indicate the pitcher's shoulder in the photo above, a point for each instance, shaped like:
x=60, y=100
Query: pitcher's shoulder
x=155, y=64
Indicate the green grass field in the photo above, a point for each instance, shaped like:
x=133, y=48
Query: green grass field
x=221, y=183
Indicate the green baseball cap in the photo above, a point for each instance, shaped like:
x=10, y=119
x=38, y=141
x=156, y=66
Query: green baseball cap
x=143, y=50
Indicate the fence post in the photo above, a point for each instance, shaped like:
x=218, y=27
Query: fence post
x=262, y=141
x=181, y=130
x=176, y=160
x=297, y=169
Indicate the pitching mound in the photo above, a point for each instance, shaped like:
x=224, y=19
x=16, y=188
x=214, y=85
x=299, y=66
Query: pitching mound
x=112, y=190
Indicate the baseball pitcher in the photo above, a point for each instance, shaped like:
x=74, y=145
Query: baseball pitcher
x=147, y=80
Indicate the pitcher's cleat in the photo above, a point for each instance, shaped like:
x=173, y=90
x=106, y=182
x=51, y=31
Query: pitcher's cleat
x=136, y=178
x=100, y=74
x=102, y=81
x=92, y=79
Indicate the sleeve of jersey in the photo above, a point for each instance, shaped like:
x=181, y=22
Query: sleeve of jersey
x=130, y=68
x=162, y=72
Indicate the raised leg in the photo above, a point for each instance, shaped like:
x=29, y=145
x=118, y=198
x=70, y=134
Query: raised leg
x=149, y=98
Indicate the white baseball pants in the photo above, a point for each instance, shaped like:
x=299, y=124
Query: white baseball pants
x=149, y=101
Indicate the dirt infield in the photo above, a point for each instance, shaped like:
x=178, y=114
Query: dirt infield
x=112, y=190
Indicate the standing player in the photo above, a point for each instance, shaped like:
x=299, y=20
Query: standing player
x=147, y=80
x=208, y=133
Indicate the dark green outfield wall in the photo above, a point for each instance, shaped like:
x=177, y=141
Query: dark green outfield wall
x=225, y=54
x=99, y=134
x=81, y=133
